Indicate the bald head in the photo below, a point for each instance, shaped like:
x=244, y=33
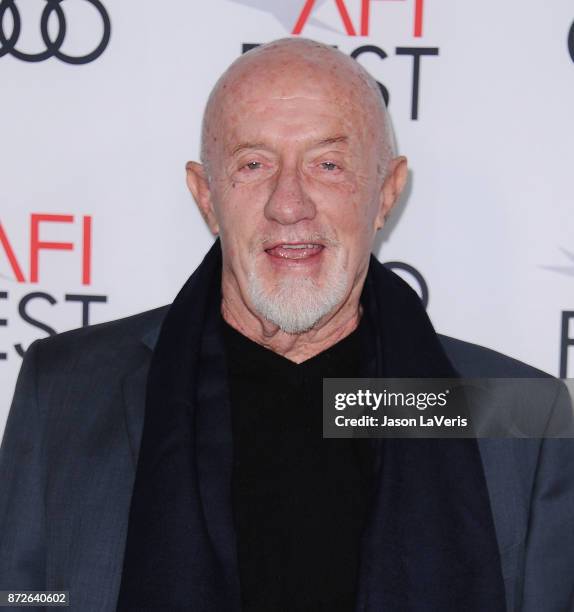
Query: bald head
x=292, y=67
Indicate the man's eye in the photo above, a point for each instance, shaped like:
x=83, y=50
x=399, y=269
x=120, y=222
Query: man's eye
x=329, y=166
x=253, y=165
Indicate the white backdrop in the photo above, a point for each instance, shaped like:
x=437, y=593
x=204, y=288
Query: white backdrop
x=93, y=156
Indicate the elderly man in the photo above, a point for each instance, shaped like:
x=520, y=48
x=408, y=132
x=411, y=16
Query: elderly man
x=226, y=496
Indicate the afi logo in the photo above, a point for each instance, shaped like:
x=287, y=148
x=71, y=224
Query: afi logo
x=37, y=245
x=365, y=17
x=24, y=307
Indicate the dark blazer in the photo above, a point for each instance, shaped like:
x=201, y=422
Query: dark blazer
x=68, y=458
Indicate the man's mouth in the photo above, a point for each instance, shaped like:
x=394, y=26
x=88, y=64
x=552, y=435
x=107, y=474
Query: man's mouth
x=295, y=250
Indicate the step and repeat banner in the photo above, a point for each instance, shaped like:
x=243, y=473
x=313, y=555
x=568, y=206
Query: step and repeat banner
x=101, y=104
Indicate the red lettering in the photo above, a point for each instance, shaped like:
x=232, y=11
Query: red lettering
x=36, y=244
x=304, y=16
x=11, y=256
x=365, y=16
x=87, y=250
x=418, y=18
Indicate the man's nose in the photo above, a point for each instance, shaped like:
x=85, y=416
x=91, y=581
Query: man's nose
x=289, y=202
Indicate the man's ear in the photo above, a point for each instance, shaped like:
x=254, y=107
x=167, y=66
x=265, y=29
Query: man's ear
x=394, y=183
x=199, y=186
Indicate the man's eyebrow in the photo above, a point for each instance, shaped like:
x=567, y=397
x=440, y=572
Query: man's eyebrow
x=247, y=145
x=331, y=140
x=259, y=145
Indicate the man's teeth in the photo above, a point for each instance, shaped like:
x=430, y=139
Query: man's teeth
x=299, y=246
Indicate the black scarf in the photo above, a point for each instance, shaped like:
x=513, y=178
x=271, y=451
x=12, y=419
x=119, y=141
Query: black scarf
x=429, y=544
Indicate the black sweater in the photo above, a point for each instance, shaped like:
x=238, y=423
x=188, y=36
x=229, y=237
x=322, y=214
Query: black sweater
x=299, y=501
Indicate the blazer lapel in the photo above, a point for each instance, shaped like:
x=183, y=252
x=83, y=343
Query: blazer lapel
x=134, y=392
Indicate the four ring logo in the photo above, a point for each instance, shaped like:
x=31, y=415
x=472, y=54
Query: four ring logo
x=9, y=40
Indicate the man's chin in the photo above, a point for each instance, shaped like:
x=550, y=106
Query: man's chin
x=296, y=305
x=290, y=320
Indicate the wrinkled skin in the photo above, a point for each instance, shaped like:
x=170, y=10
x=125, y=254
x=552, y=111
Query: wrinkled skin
x=293, y=138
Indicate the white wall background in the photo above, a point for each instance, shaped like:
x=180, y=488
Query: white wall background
x=489, y=209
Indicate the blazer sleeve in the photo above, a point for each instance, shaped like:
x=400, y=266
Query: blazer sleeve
x=22, y=485
x=549, y=563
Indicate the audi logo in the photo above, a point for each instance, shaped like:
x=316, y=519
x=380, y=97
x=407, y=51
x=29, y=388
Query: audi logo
x=8, y=41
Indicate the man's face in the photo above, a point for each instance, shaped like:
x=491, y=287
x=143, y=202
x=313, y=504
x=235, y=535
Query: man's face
x=295, y=194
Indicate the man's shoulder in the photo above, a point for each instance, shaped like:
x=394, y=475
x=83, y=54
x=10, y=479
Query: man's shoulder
x=104, y=339
x=84, y=366
x=475, y=361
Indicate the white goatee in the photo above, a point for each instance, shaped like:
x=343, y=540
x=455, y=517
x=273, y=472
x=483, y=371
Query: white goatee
x=295, y=304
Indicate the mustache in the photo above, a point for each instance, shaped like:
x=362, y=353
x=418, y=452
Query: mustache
x=323, y=237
